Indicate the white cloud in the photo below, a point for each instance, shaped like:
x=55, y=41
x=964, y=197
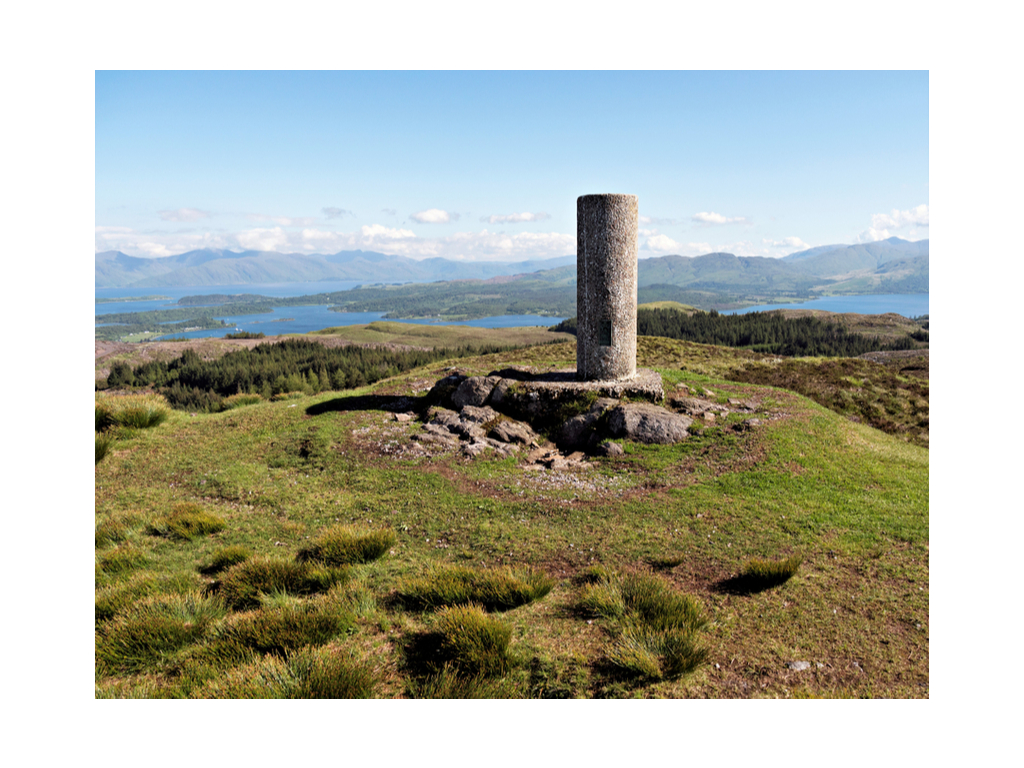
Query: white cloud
x=275, y=239
x=655, y=220
x=469, y=246
x=514, y=218
x=284, y=221
x=336, y=213
x=898, y=219
x=386, y=233
x=184, y=214
x=872, y=235
x=882, y=223
x=705, y=217
x=432, y=216
x=661, y=244
x=389, y=211
x=793, y=243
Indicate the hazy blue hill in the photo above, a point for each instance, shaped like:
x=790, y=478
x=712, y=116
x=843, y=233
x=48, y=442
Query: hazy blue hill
x=800, y=255
x=723, y=272
x=830, y=261
x=116, y=269
x=219, y=267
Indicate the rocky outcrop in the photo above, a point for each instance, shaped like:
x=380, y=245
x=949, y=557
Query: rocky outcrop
x=648, y=423
x=474, y=391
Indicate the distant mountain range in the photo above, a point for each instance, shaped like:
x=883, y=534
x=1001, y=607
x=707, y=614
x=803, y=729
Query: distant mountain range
x=887, y=266
x=221, y=267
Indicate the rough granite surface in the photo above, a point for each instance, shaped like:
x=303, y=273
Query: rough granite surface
x=606, y=270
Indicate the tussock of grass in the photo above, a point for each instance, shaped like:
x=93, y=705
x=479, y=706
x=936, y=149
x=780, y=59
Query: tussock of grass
x=187, y=521
x=323, y=673
x=121, y=559
x=494, y=589
x=113, y=599
x=472, y=641
x=225, y=558
x=152, y=629
x=647, y=652
x=104, y=417
x=265, y=678
x=141, y=411
x=287, y=396
x=653, y=602
x=758, y=575
x=103, y=446
x=655, y=626
x=308, y=673
x=278, y=630
x=601, y=599
x=449, y=684
x=343, y=545
x=239, y=400
x=242, y=584
x=113, y=530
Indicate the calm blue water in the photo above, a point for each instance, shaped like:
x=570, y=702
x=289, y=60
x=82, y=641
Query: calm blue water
x=906, y=304
x=280, y=290
x=315, y=318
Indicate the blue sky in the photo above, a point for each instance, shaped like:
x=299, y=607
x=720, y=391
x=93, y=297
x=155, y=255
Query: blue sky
x=488, y=165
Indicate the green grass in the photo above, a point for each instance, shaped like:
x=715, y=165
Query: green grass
x=495, y=590
x=344, y=545
x=852, y=499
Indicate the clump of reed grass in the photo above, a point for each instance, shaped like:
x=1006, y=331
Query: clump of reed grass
x=287, y=396
x=239, y=400
x=764, y=574
x=307, y=673
x=103, y=445
x=104, y=417
x=602, y=599
x=492, y=589
x=655, y=627
x=267, y=677
x=472, y=641
x=224, y=558
x=658, y=654
x=135, y=411
x=344, y=545
x=115, y=598
x=150, y=630
x=121, y=559
x=186, y=521
x=326, y=673
x=112, y=531
x=285, y=628
x=448, y=683
x=241, y=585
x=653, y=602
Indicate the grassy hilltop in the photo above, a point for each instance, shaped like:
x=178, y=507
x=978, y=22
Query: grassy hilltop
x=308, y=547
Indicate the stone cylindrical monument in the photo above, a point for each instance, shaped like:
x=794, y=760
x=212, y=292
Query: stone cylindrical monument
x=606, y=255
